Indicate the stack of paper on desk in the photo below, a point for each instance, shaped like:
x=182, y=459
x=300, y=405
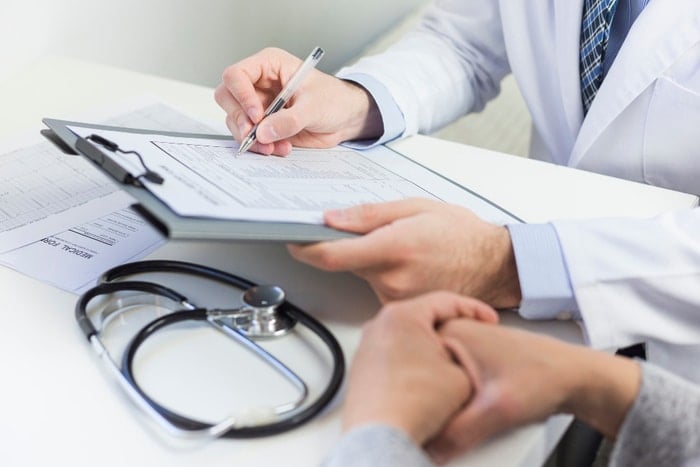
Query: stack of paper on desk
x=61, y=220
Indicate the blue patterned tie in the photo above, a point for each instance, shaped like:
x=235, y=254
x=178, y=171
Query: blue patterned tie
x=595, y=30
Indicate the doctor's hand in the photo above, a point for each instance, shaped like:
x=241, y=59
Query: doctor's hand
x=520, y=377
x=403, y=375
x=323, y=112
x=417, y=245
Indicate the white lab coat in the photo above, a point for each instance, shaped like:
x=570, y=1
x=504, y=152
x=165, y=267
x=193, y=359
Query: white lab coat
x=632, y=279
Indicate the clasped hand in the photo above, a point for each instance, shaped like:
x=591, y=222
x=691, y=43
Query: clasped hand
x=438, y=368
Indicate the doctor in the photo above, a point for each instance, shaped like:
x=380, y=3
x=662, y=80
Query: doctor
x=612, y=87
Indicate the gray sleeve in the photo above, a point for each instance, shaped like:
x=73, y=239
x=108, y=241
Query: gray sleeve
x=376, y=445
x=663, y=425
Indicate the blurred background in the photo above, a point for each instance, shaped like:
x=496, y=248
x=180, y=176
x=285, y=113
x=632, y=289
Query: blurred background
x=190, y=40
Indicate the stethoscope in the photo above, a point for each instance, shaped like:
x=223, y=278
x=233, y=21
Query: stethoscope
x=266, y=314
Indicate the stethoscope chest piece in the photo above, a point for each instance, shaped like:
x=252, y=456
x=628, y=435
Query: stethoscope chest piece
x=261, y=316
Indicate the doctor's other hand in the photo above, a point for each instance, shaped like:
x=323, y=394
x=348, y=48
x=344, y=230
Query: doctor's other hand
x=323, y=112
x=417, y=245
x=521, y=377
x=403, y=375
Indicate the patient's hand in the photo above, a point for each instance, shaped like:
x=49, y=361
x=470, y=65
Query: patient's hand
x=521, y=377
x=403, y=375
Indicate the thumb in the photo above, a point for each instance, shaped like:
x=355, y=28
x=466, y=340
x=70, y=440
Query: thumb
x=367, y=217
x=280, y=125
x=298, y=115
x=472, y=308
x=477, y=420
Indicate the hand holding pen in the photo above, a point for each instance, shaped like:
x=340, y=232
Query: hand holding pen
x=305, y=107
x=287, y=92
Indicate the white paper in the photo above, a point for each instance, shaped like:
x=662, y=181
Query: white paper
x=73, y=259
x=43, y=191
x=206, y=178
x=148, y=113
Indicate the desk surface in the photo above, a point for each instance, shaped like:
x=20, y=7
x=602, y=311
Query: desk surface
x=57, y=404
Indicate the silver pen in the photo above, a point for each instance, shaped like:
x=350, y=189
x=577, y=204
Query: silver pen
x=284, y=95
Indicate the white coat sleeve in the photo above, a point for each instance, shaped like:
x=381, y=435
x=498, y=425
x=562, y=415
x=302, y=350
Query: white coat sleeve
x=451, y=64
x=636, y=279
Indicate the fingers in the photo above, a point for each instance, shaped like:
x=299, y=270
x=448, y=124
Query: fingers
x=310, y=119
x=351, y=254
x=240, y=126
x=402, y=350
x=444, y=306
x=236, y=120
x=281, y=125
x=481, y=311
x=273, y=132
x=484, y=416
x=228, y=103
x=438, y=307
x=472, y=426
x=246, y=87
x=340, y=255
x=485, y=411
x=278, y=148
x=403, y=252
x=239, y=80
x=461, y=356
x=368, y=217
x=285, y=123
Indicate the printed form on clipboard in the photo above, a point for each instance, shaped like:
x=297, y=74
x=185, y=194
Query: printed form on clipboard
x=203, y=177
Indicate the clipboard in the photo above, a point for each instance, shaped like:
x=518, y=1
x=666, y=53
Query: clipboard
x=161, y=216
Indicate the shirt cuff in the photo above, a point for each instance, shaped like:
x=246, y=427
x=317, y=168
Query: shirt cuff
x=544, y=280
x=392, y=117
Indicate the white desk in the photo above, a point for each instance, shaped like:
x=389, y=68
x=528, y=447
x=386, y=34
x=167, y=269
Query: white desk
x=58, y=407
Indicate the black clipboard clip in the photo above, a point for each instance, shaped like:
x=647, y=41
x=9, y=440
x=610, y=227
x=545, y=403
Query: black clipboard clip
x=92, y=152
x=109, y=165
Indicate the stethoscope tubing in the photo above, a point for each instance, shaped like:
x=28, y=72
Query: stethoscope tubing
x=180, y=422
